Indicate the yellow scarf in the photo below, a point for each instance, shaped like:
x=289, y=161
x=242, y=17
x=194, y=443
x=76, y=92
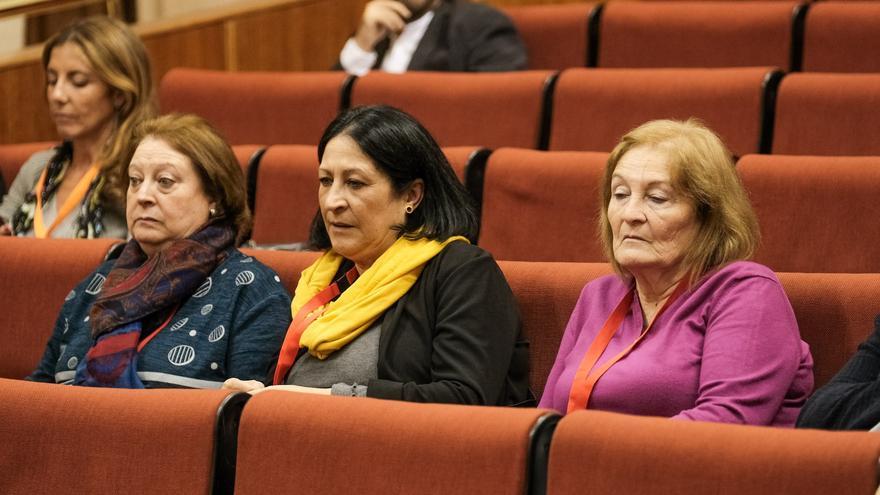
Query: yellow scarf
x=374, y=291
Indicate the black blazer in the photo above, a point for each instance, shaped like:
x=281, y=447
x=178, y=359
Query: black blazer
x=465, y=37
x=455, y=337
x=851, y=400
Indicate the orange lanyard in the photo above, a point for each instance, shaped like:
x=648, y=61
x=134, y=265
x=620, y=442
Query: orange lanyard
x=310, y=312
x=586, y=377
x=76, y=196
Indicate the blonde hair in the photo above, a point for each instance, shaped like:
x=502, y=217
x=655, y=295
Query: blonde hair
x=213, y=159
x=702, y=170
x=120, y=60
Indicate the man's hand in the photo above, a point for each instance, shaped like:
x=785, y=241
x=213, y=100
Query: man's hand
x=380, y=19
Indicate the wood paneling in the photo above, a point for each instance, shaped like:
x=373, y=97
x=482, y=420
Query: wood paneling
x=24, y=115
x=250, y=35
x=307, y=37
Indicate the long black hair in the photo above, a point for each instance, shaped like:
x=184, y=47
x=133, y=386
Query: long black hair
x=404, y=151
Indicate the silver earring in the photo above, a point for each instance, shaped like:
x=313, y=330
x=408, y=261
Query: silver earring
x=212, y=212
x=408, y=209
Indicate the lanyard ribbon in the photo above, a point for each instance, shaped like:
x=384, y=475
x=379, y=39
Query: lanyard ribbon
x=310, y=312
x=586, y=377
x=76, y=196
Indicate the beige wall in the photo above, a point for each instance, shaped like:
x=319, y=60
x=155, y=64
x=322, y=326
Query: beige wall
x=11, y=34
x=151, y=10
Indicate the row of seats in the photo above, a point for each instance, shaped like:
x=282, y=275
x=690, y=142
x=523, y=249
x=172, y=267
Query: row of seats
x=835, y=311
x=817, y=214
x=815, y=37
x=85, y=440
x=755, y=110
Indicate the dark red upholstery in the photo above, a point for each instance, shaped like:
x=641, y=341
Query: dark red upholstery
x=828, y=114
x=542, y=206
x=464, y=109
x=287, y=194
x=546, y=294
x=842, y=37
x=13, y=156
x=35, y=276
x=318, y=444
x=835, y=313
x=256, y=107
x=603, y=453
x=593, y=109
x=696, y=34
x=62, y=439
x=555, y=35
x=817, y=214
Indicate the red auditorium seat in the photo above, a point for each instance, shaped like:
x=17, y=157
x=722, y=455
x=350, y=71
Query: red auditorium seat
x=464, y=109
x=556, y=36
x=696, y=34
x=542, y=206
x=546, y=294
x=62, y=439
x=594, y=108
x=828, y=114
x=817, y=214
x=842, y=37
x=257, y=107
x=286, y=197
x=370, y=446
x=604, y=453
x=35, y=277
x=835, y=313
x=13, y=156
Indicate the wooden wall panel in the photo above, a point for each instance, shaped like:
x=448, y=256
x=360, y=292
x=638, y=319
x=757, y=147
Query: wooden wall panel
x=200, y=47
x=24, y=115
x=303, y=36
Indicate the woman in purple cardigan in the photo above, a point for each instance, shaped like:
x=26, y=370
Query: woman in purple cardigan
x=686, y=329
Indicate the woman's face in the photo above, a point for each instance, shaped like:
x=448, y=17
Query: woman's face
x=652, y=225
x=166, y=200
x=80, y=103
x=358, y=203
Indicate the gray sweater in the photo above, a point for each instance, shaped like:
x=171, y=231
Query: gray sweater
x=26, y=180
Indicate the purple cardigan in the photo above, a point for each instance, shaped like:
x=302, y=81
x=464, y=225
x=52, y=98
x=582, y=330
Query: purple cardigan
x=727, y=350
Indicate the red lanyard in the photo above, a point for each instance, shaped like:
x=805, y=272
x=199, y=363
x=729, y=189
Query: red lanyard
x=148, y=338
x=310, y=312
x=586, y=377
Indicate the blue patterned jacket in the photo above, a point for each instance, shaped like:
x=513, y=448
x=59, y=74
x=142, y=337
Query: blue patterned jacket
x=232, y=326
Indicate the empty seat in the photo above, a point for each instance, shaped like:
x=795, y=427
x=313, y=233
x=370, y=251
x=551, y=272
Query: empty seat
x=286, y=197
x=817, y=214
x=62, y=439
x=594, y=108
x=842, y=37
x=35, y=276
x=556, y=36
x=542, y=206
x=605, y=453
x=370, y=446
x=696, y=34
x=835, y=313
x=464, y=109
x=546, y=294
x=13, y=156
x=257, y=107
x=828, y=114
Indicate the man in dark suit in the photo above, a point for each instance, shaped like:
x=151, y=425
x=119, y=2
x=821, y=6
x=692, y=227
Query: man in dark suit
x=433, y=35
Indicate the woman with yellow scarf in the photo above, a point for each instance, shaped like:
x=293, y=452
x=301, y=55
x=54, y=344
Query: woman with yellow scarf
x=401, y=305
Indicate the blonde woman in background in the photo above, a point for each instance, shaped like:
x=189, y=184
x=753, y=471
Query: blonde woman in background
x=98, y=87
